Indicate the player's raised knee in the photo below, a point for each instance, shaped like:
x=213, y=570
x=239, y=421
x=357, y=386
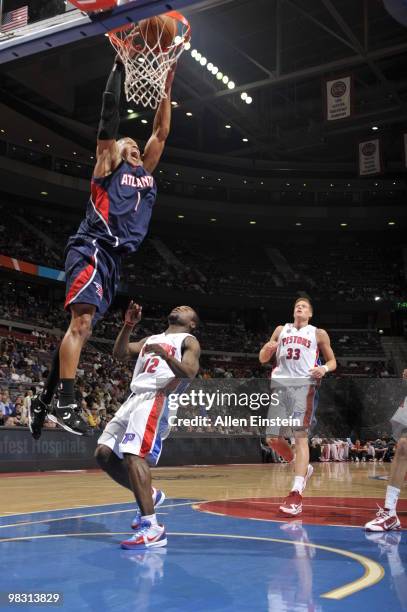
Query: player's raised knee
x=102, y=456
x=82, y=325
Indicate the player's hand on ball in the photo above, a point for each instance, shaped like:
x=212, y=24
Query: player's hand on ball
x=133, y=314
x=317, y=373
x=156, y=349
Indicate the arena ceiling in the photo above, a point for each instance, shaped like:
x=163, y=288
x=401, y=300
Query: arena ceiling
x=277, y=51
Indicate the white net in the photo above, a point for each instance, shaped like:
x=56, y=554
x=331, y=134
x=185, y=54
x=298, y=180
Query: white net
x=147, y=64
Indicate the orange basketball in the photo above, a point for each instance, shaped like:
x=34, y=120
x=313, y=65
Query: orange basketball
x=162, y=28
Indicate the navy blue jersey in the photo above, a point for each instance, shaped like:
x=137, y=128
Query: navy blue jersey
x=119, y=209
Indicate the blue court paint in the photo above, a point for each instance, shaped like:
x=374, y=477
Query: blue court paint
x=199, y=572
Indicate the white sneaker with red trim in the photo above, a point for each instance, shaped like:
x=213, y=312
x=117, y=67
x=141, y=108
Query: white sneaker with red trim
x=384, y=521
x=292, y=504
x=146, y=536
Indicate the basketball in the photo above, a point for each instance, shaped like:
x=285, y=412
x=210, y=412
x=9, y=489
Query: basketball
x=161, y=29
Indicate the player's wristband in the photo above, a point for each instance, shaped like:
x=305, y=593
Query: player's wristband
x=326, y=368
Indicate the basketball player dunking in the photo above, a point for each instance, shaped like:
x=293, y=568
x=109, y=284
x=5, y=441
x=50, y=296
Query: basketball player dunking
x=123, y=194
x=133, y=438
x=296, y=347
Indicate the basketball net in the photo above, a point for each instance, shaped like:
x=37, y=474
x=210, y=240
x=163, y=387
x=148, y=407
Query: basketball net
x=147, y=66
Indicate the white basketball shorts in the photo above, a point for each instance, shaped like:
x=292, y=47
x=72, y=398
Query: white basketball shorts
x=139, y=427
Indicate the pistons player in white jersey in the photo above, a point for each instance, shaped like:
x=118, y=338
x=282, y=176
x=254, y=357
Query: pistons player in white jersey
x=296, y=347
x=132, y=440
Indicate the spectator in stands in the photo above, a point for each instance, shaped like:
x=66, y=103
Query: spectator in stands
x=7, y=408
x=380, y=450
x=358, y=451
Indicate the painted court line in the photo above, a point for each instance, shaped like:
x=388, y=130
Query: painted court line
x=373, y=572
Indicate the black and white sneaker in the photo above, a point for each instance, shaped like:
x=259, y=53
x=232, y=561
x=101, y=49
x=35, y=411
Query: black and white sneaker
x=36, y=416
x=70, y=418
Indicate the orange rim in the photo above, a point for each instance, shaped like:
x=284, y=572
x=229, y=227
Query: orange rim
x=174, y=14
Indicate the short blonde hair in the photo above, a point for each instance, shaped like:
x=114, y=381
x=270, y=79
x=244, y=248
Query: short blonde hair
x=304, y=299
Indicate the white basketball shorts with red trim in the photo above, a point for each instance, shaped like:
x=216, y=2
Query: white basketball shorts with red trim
x=298, y=403
x=139, y=427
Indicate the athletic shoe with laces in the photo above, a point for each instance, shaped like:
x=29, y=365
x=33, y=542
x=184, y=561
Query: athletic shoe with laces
x=146, y=536
x=292, y=504
x=36, y=416
x=158, y=499
x=384, y=521
x=70, y=418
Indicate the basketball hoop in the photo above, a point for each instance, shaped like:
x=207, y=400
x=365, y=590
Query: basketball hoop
x=147, y=65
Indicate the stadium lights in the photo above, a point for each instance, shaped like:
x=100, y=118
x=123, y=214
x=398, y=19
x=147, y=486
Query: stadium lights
x=377, y=298
x=187, y=46
x=144, y=121
x=227, y=126
x=174, y=103
x=48, y=146
x=245, y=140
x=129, y=110
x=212, y=220
x=30, y=140
x=298, y=224
x=44, y=193
x=252, y=222
x=180, y=216
x=189, y=114
x=391, y=223
x=74, y=153
x=375, y=127
x=344, y=225
x=381, y=331
x=214, y=70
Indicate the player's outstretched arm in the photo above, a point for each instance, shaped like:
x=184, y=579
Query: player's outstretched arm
x=188, y=367
x=107, y=152
x=161, y=128
x=268, y=350
x=324, y=345
x=124, y=349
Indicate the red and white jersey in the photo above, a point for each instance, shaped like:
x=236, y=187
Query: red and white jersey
x=152, y=372
x=297, y=352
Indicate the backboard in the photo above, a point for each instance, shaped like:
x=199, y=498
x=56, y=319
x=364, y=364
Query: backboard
x=59, y=23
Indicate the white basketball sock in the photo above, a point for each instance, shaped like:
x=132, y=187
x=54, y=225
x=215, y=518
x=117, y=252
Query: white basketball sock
x=392, y=495
x=152, y=518
x=298, y=484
